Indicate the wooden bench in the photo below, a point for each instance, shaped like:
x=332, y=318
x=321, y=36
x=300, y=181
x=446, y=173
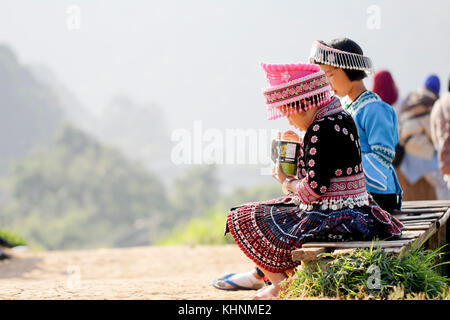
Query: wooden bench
x=423, y=220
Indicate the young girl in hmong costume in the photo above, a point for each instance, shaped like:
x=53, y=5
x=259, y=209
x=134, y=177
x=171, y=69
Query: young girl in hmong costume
x=327, y=200
x=345, y=66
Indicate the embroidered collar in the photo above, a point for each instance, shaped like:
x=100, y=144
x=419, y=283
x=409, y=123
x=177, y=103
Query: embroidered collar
x=360, y=102
x=334, y=106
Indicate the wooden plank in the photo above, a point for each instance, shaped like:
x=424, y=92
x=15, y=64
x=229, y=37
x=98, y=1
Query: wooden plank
x=357, y=244
x=426, y=203
x=416, y=222
x=404, y=217
x=414, y=208
x=306, y=254
x=411, y=234
x=414, y=211
x=416, y=227
x=444, y=218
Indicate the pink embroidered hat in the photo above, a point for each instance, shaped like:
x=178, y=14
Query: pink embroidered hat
x=292, y=83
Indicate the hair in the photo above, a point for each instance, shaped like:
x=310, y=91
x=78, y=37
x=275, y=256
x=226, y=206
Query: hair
x=449, y=84
x=348, y=45
x=299, y=105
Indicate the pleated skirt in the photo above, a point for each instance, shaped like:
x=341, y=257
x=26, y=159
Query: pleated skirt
x=268, y=231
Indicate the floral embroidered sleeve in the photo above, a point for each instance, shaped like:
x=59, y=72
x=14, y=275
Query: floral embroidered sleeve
x=315, y=177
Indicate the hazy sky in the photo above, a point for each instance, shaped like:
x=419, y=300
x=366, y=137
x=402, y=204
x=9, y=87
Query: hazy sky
x=200, y=59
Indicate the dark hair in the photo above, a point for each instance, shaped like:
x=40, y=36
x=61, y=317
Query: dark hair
x=449, y=84
x=345, y=44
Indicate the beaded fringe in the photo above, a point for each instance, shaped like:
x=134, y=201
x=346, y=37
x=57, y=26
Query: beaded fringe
x=335, y=203
x=316, y=101
x=340, y=59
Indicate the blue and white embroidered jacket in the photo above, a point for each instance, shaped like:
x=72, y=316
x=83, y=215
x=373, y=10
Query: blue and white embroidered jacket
x=377, y=127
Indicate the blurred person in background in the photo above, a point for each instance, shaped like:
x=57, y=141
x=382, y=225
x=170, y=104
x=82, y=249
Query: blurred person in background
x=440, y=133
x=384, y=86
x=420, y=157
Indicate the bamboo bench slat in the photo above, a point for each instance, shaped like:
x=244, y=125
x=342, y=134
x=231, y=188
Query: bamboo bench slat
x=415, y=222
x=444, y=218
x=418, y=227
x=414, y=211
x=411, y=234
x=357, y=244
x=426, y=204
x=404, y=217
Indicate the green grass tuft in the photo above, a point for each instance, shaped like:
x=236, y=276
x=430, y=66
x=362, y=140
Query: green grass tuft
x=11, y=239
x=354, y=276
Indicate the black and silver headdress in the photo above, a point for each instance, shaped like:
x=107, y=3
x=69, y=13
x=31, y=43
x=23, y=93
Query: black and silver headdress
x=321, y=53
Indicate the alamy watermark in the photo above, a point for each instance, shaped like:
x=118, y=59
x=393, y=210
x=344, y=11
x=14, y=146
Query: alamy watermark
x=74, y=279
x=73, y=19
x=228, y=146
x=373, y=21
x=374, y=281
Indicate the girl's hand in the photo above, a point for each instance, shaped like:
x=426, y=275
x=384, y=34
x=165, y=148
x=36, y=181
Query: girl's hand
x=277, y=173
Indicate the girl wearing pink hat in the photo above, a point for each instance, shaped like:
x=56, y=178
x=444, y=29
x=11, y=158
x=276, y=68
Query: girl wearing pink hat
x=327, y=200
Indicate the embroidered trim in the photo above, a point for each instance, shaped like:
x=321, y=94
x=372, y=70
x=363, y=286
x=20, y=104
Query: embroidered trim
x=343, y=192
x=383, y=154
x=325, y=110
x=346, y=186
x=362, y=101
x=295, y=87
x=305, y=192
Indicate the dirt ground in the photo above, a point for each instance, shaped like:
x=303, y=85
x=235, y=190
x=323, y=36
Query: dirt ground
x=166, y=273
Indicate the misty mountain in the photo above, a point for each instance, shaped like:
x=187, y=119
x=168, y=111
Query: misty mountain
x=72, y=108
x=29, y=109
x=138, y=129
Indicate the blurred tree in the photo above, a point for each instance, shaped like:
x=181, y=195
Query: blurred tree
x=208, y=227
x=194, y=191
x=259, y=193
x=76, y=193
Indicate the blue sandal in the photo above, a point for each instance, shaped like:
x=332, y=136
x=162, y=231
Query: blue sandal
x=224, y=284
